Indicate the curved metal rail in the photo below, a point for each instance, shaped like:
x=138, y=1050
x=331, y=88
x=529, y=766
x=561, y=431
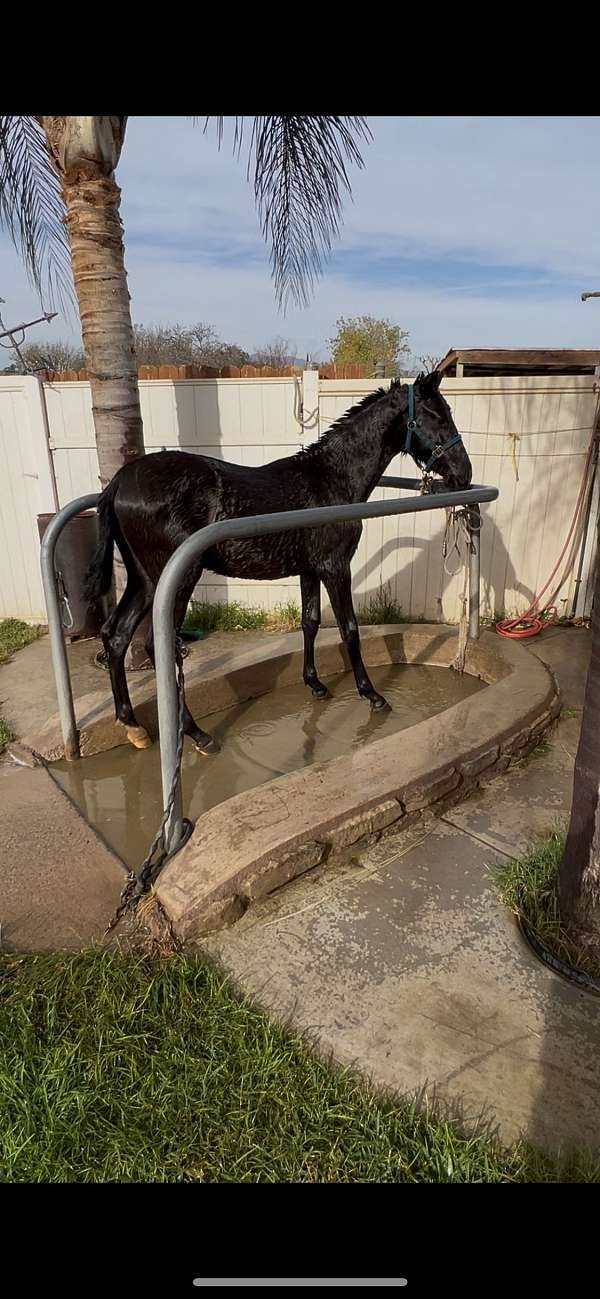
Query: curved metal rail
x=172, y=577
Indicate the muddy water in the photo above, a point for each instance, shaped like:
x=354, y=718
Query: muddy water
x=119, y=792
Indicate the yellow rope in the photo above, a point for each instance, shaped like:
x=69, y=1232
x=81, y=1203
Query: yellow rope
x=515, y=438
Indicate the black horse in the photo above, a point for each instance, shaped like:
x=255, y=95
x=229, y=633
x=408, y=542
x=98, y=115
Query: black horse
x=156, y=502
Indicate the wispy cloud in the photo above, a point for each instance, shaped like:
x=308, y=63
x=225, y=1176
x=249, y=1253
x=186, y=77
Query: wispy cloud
x=472, y=231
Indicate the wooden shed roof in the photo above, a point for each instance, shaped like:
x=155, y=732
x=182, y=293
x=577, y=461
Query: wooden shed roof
x=516, y=360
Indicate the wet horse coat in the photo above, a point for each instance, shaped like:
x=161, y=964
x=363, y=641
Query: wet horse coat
x=154, y=503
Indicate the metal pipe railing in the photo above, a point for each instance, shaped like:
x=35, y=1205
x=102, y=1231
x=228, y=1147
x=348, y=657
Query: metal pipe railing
x=58, y=648
x=191, y=551
x=174, y=573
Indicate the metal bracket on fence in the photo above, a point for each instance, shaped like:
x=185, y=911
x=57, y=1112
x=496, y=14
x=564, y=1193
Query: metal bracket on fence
x=68, y=622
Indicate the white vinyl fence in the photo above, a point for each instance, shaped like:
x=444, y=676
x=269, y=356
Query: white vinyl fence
x=528, y=436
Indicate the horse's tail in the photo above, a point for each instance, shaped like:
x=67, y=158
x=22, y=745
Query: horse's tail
x=99, y=574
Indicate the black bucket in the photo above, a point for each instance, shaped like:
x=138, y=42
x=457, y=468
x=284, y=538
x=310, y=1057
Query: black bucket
x=74, y=551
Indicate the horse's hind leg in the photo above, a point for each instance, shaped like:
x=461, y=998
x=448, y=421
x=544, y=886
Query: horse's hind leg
x=310, y=587
x=116, y=636
x=204, y=743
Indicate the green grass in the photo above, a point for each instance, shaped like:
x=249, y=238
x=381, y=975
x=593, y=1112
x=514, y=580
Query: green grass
x=529, y=888
x=6, y=734
x=117, y=1068
x=209, y=617
x=382, y=608
x=541, y=750
x=14, y=635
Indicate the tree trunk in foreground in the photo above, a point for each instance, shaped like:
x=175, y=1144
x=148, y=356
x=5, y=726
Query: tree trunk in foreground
x=85, y=151
x=579, y=876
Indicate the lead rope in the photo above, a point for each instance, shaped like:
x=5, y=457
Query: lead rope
x=138, y=883
x=460, y=526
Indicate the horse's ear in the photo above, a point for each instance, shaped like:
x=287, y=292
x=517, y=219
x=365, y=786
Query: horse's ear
x=429, y=383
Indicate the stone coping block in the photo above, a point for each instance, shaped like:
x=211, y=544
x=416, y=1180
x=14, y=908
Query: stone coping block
x=263, y=838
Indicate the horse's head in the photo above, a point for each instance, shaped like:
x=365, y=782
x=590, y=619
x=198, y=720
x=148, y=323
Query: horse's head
x=432, y=437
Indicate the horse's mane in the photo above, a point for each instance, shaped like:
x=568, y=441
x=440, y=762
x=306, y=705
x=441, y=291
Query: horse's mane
x=342, y=421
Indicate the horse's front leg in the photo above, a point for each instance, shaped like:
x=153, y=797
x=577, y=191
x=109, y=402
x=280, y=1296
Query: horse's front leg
x=339, y=591
x=310, y=587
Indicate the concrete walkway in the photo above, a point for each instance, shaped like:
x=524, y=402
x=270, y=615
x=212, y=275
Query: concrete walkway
x=59, y=885
x=405, y=966
x=401, y=963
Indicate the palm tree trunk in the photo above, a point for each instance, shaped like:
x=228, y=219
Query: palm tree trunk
x=579, y=876
x=96, y=238
x=86, y=151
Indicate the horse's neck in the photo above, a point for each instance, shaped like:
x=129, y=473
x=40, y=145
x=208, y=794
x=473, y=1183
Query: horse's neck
x=360, y=454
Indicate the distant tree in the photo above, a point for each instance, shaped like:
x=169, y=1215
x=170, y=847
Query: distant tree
x=226, y=354
x=185, y=345
x=276, y=353
x=364, y=340
x=57, y=354
x=155, y=345
x=428, y=362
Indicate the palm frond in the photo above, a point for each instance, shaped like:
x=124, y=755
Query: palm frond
x=238, y=131
x=32, y=208
x=300, y=170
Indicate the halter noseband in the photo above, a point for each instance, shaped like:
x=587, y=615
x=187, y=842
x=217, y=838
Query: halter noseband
x=411, y=426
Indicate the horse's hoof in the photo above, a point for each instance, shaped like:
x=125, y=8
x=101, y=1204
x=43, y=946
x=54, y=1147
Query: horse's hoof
x=377, y=702
x=138, y=736
x=320, y=692
x=208, y=748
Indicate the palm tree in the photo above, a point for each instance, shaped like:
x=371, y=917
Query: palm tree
x=60, y=201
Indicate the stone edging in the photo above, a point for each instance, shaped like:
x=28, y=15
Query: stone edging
x=256, y=842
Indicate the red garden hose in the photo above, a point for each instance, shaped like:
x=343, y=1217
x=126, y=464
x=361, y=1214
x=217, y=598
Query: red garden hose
x=532, y=623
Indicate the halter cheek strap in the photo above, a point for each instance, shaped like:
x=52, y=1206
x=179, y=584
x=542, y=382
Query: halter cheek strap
x=411, y=426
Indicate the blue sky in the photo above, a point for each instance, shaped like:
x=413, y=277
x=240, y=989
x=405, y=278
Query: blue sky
x=471, y=231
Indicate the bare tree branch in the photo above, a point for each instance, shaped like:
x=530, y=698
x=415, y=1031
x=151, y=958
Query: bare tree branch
x=276, y=353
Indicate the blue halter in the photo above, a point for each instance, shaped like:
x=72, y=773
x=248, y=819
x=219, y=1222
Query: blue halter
x=411, y=426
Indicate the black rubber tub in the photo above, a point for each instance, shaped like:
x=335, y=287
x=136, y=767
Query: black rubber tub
x=74, y=550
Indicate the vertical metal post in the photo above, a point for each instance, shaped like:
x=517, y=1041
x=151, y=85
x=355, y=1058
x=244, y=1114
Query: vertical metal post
x=58, y=647
x=163, y=622
x=474, y=576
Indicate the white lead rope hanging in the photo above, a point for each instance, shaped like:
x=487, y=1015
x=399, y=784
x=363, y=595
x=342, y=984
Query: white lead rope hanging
x=459, y=529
